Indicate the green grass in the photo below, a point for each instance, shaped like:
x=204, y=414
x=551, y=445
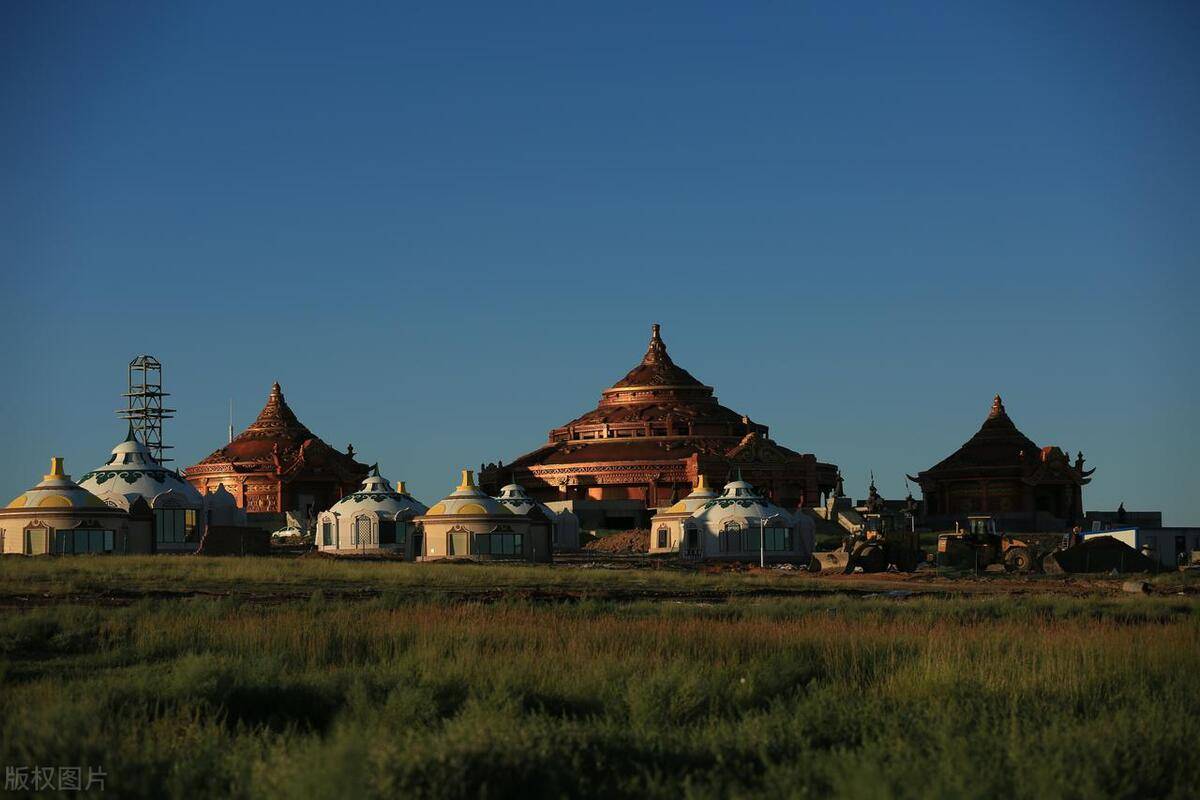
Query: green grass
x=425, y=693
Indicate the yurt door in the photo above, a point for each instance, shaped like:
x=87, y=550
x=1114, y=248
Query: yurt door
x=36, y=541
x=691, y=543
x=362, y=533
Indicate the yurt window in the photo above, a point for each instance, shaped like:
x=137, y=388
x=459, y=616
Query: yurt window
x=777, y=539
x=83, y=540
x=507, y=544
x=387, y=532
x=174, y=525
x=662, y=537
x=327, y=533
x=483, y=544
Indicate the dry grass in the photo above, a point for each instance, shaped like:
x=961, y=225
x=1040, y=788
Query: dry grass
x=808, y=696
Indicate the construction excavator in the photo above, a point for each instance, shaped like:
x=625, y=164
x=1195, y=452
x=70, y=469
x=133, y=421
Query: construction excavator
x=980, y=545
x=876, y=547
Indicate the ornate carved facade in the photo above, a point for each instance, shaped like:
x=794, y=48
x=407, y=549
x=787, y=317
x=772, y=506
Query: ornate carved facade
x=277, y=465
x=1000, y=471
x=646, y=444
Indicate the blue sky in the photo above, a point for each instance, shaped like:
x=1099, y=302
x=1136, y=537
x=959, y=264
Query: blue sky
x=445, y=228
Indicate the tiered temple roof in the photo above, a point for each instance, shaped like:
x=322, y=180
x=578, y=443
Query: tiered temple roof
x=1000, y=470
x=279, y=448
x=643, y=430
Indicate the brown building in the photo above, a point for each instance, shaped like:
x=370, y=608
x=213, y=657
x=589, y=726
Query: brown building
x=277, y=465
x=1000, y=471
x=646, y=444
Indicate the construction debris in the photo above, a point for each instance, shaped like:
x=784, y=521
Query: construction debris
x=634, y=541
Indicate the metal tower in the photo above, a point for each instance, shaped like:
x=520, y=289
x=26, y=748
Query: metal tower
x=145, y=411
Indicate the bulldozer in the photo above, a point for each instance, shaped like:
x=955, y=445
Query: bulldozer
x=980, y=545
x=877, y=546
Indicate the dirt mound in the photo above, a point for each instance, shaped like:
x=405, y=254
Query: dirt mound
x=635, y=541
x=1098, y=554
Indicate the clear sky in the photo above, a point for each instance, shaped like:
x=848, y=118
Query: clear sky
x=445, y=228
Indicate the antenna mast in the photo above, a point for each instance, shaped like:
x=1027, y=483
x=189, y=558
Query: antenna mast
x=145, y=410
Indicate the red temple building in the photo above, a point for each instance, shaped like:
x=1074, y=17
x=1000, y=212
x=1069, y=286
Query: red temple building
x=1000, y=471
x=646, y=444
x=276, y=466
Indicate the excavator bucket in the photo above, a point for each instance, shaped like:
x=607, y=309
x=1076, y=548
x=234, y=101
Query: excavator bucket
x=835, y=561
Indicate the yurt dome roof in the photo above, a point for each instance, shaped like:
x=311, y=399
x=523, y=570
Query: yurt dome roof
x=699, y=496
x=57, y=490
x=220, y=498
x=741, y=499
x=132, y=470
x=518, y=501
x=468, y=500
x=377, y=495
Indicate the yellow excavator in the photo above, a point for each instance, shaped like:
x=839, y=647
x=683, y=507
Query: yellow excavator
x=980, y=545
x=876, y=547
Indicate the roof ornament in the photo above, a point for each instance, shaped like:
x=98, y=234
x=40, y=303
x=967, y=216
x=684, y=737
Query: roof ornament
x=56, y=469
x=468, y=480
x=997, y=408
x=656, y=352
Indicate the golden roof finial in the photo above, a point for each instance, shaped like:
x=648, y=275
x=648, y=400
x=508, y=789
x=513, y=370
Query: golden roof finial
x=56, y=468
x=468, y=479
x=701, y=483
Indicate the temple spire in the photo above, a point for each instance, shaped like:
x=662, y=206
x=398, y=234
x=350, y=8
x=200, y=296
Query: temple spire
x=997, y=408
x=656, y=352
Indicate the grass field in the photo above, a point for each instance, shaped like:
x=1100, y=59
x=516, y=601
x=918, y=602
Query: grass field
x=191, y=677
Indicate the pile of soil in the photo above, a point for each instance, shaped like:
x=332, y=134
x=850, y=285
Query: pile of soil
x=634, y=541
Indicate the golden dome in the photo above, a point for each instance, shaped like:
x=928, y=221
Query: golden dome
x=57, y=490
x=468, y=500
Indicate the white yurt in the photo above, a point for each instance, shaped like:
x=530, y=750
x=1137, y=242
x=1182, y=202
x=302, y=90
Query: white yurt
x=741, y=524
x=667, y=525
x=376, y=517
x=564, y=524
x=132, y=472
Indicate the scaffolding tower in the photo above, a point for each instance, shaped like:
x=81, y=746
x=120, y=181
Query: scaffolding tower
x=145, y=410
